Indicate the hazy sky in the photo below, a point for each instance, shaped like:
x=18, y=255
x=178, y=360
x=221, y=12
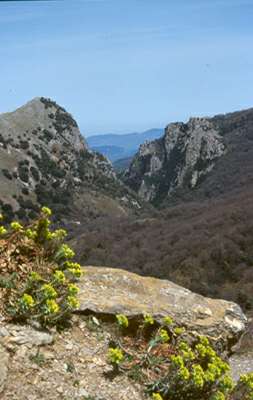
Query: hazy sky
x=128, y=65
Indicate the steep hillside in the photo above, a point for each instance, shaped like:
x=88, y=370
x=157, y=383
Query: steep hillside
x=206, y=247
x=205, y=157
x=116, y=147
x=45, y=160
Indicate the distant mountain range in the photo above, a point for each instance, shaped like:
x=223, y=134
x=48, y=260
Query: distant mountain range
x=116, y=147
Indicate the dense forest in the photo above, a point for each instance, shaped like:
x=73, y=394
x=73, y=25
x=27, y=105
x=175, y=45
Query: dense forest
x=207, y=247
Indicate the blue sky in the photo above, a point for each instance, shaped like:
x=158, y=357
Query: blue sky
x=128, y=65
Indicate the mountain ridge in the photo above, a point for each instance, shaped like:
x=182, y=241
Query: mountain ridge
x=45, y=160
x=120, y=146
x=187, y=154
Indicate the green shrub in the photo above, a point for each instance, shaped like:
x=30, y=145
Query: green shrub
x=23, y=172
x=194, y=373
x=244, y=388
x=7, y=174
x=24, y=144
x=44, y=288
x=162, y=361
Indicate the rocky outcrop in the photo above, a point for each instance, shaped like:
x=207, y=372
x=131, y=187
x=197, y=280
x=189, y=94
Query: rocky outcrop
x=181, y=158
x=45, y=160
x=107, y=291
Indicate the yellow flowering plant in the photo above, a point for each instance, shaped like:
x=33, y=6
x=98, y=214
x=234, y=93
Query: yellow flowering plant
x=195, y=372
x=3, y=230
x=16, y=226
x=172, y=368
x=115, y=356
x=45, y=288
x=148, y=319
x=122, y=321
x=156, y=396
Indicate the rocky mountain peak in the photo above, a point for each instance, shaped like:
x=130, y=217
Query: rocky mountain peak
x=44, y=159
x=185, y=154
x=52, y=120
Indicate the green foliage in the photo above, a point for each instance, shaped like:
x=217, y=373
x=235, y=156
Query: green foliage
x=115, y=356
x=122, y=320
x=170, y=368
x=148, y=319
x=245, y=387
x=194, y=372
x=42, y=286
x=23, y=171
x=38, y=359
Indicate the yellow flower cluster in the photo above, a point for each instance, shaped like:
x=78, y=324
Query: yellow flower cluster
x=67, y=251
x=218, y=396
x=115, y=355
x=59, y=276
x=156, y=396
x=46, y=211
x=3, y=231
x=16, y=226
x=30, y=234
x=178, y=362
x=49, y=291
x=178, y=331
x=74, y=269
x=72, y=302
x=148, y=319
x=186, y=351
x=122, y=320
x=59, y=234
x=54, y=290
x=73, y=289
x=34, y=276
x=27, y=300
x=202, y=367
x=198, y=376
x=247, y=381
x=163, y=335
x=167, y=320
x=52, y=306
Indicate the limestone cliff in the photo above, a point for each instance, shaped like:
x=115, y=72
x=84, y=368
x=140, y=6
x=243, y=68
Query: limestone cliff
x=181, y=158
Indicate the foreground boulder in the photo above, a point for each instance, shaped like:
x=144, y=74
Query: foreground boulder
x=114, y=291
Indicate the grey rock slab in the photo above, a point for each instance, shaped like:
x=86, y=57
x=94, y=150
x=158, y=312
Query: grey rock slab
x=23, y=334
x=114, y=291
